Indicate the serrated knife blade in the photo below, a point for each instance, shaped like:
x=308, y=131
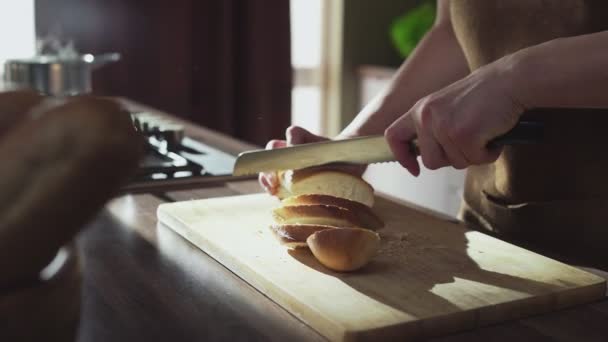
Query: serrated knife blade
x=360, y=150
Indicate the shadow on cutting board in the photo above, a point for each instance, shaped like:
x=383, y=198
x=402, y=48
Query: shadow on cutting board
x=409, y=268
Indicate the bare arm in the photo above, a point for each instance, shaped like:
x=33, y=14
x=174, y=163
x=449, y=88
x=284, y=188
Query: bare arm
x=436, y=62
x=454, y=125
x=565, y=72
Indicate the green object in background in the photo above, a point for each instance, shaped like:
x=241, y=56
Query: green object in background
x=408, y=29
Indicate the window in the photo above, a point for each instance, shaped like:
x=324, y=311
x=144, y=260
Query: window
x=316, y=35
x=17, y=34
x=306, y=62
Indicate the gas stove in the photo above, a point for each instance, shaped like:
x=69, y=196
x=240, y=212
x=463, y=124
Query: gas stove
x=173, y=160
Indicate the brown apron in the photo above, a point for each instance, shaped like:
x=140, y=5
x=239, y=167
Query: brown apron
x=552, y=196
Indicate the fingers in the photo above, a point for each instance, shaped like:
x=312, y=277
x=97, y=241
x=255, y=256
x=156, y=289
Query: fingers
x=431, y=152
x=444, y=143
x=439, y=141
x=297, y=135
x=399, y=135
x=269, y=180
x=451, y=151
x=272, y=144
x=467, y=146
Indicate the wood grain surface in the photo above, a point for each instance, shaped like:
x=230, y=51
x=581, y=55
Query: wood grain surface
x=133, y=291
x=430, y=276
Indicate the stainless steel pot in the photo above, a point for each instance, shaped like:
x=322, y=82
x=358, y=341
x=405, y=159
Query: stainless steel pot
x=54, y=75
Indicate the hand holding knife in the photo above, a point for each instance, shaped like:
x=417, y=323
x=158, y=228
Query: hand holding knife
x=360, y=150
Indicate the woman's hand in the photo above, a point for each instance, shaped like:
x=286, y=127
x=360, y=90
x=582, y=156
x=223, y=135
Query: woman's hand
x=294, y=135
x=454, y=125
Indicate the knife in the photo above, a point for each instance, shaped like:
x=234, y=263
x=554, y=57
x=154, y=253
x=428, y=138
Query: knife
x=360, y=150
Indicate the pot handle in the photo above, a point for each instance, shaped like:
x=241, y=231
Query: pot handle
x=100, y=60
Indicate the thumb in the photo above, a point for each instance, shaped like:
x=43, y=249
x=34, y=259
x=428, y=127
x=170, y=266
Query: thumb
x=297, y=135
x=398, y=135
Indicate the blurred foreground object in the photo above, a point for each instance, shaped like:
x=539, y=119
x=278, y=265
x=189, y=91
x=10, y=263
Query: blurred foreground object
x=62, y=162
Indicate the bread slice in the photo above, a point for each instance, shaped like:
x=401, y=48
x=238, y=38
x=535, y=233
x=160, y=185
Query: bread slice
x=319, y=214
x=295, y=235
x=325, y=182
x=364, y=214
x=345, y=249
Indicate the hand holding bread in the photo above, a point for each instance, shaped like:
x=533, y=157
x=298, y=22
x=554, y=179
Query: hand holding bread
x=296, y=135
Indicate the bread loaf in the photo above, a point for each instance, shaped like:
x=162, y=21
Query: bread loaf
x=345, y=249
x=325, y=182
x=365, y=217
x=58, y=170
x=329, y=211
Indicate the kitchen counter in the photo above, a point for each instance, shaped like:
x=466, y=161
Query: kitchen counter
x=143, y=282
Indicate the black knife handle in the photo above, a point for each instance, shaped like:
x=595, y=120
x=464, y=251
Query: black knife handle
x=524, y=132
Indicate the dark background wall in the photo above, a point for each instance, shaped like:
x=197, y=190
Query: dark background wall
x=224, y=64
x=366, y=41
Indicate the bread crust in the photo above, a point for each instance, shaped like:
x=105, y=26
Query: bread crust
x=364, y=214
x=320, y=214
x=295, y=235
x=301, y=174
x=325, y=182
x=344, y=250
x=330, y=210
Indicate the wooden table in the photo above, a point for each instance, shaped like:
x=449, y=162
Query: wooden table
x=142, y=282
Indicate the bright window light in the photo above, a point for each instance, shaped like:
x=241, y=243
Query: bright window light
x=17, y=34
x=305, y=33
x=306, y=108
x=306, y=62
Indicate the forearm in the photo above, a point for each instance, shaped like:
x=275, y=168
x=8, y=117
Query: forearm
x=567, y=72
x=435, y=63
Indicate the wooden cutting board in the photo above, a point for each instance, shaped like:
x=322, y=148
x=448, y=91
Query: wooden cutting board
x=431, y=276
